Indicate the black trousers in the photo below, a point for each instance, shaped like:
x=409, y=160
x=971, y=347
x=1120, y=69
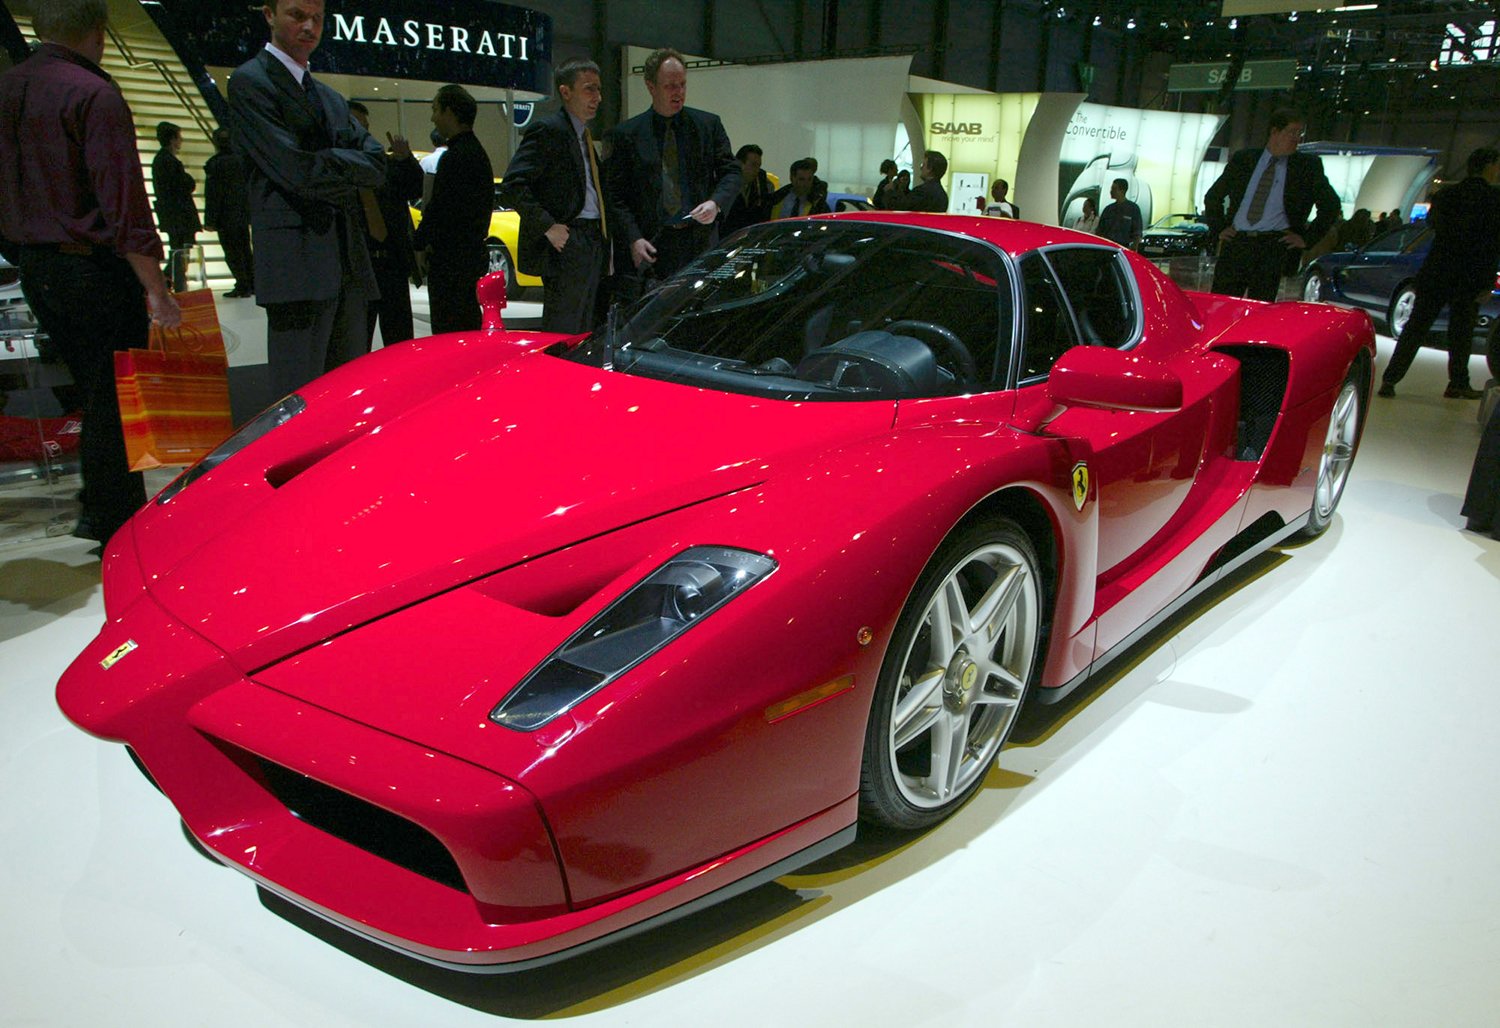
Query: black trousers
x=1482, y=501
x=1251, y=265
x=393, y=309
x=305, y=338
x=178, y=246
x=677, y=247
x=91, y=306
x=570, y=281
x=1433, y=294
x=235, y=239
x=451, y=296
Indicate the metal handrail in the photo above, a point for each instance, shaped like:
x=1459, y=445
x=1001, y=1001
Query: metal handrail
x=184, y=97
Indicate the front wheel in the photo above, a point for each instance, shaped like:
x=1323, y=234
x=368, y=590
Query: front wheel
x=1400, y=313
x=963, y=655
x=1315, y=287
x=1339, y=446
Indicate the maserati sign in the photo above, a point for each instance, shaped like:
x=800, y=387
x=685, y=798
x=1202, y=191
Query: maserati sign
x=471, y=42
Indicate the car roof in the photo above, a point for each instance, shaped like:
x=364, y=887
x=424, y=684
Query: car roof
x=1014, y=237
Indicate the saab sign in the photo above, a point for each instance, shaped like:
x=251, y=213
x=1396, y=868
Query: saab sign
x=471, y=42
x=958, y=128
x=1210, y=78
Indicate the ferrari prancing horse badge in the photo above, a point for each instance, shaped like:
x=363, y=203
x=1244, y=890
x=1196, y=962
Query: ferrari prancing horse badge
x=117, y=654
x=1080, y=484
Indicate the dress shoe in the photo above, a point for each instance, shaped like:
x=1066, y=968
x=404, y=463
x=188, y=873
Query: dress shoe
x=1386, y=389
x=1462, y=393
x=85, y=529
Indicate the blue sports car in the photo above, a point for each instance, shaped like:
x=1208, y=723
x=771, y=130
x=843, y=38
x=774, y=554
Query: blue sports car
x=1378, y=278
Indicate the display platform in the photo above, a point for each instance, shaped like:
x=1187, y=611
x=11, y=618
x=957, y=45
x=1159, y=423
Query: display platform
x=1278, y=811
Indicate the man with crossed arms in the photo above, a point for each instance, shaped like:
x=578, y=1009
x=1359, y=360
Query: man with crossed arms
x=553, y=181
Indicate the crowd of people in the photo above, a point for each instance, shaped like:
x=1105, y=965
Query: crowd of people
x=326, y=204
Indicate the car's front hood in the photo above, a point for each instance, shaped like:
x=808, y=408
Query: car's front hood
x=516, y=462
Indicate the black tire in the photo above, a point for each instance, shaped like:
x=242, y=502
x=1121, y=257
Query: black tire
x=1346, y=426
x=922, y=763
x=501, y=260
x=1315, y=287
x=1400, y=309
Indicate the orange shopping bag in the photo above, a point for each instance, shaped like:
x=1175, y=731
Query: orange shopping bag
x=174, y=398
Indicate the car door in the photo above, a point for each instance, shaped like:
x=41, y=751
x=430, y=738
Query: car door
x=1371, y=277
x=1142, y=463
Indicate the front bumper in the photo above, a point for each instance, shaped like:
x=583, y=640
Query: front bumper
x=416, y=849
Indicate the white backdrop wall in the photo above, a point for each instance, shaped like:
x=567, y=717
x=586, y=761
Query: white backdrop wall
x=843, y=113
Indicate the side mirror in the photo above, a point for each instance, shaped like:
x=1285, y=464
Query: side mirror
x=1098, y=376
x=491, y=292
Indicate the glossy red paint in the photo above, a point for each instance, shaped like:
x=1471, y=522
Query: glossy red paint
x=351, y=595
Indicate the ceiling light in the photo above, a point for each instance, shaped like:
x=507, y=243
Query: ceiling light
x=1234, y=23
x=1098, y=21
x=1130, y=24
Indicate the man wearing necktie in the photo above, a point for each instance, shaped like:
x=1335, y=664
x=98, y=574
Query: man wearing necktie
x=305, y=161
x=553, y=182
x=1269, y=193
x=670, y=171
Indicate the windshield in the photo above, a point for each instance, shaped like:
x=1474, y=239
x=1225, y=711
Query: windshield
x=835, y=309
x=1182, y=223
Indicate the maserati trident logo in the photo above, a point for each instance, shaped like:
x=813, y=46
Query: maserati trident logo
x=118, y=654
x=1080, y=484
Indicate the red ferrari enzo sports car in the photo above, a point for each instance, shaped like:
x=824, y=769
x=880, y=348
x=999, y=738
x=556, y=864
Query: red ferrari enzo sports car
x=498, y=646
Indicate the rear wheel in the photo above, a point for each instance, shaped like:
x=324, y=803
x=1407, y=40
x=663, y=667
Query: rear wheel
x=963, y=655
x=1400, y=313
x=1339, y=446
x=500, y=261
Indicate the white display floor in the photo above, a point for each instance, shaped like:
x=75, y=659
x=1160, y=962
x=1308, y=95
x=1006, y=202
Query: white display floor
x=1283, y=813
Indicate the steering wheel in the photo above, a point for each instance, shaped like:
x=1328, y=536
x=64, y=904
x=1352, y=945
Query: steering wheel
x=948, y=342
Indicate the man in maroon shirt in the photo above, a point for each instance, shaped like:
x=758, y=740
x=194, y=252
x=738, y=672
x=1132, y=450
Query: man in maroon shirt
x=74, y=218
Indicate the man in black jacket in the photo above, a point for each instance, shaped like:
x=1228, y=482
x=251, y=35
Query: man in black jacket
x=450, y=242
x=930, y=196
x=226, y=211
x=176, y=214
x=1458, y=273
x=670, y=173
x=553, y=181
x=388, y=235
x=1269, y=194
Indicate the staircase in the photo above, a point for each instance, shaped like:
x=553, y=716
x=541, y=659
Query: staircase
x=157, y=89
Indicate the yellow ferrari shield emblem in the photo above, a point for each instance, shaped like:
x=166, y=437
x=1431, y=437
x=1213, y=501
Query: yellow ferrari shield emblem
x=1080, y=484
x=117, y=654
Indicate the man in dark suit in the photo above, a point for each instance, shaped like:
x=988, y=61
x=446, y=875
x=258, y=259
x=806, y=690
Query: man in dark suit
x=1259, y=210
x=226, y=210
x=1458, y=273
x=930, y=196
x=451, y=240
x=306, y=160
x=670, y=173
x=553, y=181
x=176, y=214
x=388, y=235
x=800, y=196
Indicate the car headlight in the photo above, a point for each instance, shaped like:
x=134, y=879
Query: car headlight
x=669, y=601
x=273, y=416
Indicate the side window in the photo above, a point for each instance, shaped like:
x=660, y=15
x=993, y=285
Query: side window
x=1093, y=280
x=1048, y=328
x=1415, y=238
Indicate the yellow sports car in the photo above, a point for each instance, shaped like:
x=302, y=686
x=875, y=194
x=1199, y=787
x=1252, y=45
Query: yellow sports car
x=505, y=230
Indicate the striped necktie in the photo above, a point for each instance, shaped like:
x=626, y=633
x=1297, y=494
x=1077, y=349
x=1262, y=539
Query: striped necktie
x=1263, y=191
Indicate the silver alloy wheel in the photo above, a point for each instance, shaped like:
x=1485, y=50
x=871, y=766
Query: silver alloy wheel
x=1338, y=452
x=1312, y=289
x=499, y=259
x=1401, y=310
x=964, y=675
